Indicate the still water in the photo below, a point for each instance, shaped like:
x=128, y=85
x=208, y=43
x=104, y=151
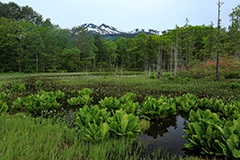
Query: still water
x=166, y=134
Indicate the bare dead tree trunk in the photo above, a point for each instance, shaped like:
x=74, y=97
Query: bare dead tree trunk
x=171, y=61
x=146, y=64
x=19, y=63
x=218, y=28
x=159, y=62
x=86, y=71
x=122, y=67
x=149, y=70
x=116, y=70
x=176, y=55
x=36, y=62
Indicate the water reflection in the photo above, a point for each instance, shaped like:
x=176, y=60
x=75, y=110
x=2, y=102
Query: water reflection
x=166, y=134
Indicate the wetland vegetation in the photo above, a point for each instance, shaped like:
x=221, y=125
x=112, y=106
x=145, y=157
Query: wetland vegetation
x=142, y=118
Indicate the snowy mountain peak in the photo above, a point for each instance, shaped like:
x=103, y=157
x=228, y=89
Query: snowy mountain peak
x=102, y=29
x=105, y=29
x=147, y=31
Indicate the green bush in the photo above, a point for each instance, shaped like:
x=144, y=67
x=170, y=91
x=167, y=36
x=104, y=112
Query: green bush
x=17, y=104
x=232, y=75
x=234, y=85
x=186, y=102
x=19, y=87
x=153, y=109
x=3, y=107
x=123, y=124
x=38, y=103
x=111, y=103
x=212, y=135
x=131, y=107
x=85, y=91
x=128, y=97
x=171, y=78
x=92, y=123
x=38, y=83
x=153, y=75
x=4, y=97
x=80, y=100
x=28, y=71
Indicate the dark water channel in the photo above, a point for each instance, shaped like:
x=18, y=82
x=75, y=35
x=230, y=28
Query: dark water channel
x=166, y=134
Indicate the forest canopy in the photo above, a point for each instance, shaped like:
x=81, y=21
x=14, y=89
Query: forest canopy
x=28, y=43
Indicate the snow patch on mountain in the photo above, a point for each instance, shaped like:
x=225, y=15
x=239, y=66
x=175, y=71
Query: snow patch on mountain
x=105, y=29
x=102, y=29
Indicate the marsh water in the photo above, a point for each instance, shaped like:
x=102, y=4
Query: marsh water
x=166, y=134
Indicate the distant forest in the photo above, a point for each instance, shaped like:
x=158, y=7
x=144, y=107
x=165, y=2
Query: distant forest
x=28, y=43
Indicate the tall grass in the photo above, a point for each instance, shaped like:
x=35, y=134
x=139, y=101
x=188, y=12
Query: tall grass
x=23, y=137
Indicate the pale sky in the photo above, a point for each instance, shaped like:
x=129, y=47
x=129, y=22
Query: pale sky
x=127, y=15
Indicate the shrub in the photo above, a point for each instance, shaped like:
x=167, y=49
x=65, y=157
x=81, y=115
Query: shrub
x=28, y=71
x=123, y=124
x=19, y=87
x=229, y=68
x=80, y=100
x=153, y=75
x=38, y=83
x=234, y=85
x=92, y=123
x=112, y=104
x=171, y=77
x=128, y=97
x=154, y=109
x=211, y=135
x=232, y=75
x=3, y=107
x=85, y=91
x=4, y=97
x=40, y=102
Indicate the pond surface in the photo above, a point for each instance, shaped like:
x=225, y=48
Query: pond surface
x=166, y=134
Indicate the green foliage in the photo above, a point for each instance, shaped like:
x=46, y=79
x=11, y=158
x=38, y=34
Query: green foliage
x=153, y=108
x=186, y=102
x=3, y=107
x=38, y=83
x=131, y=107
x=123, y=124
x=40, y=102
x=92, y=123
x=59, y=94
x=91, y=114
x=128, y=97
x=171, y=78
x=232, y=75
x=153, y=75
x=212, y=135
x=111, y=103
x=19, y=87
x=85, y=91
x=18, y=105
x=4, y=97
x=96, y=133
x=234, y=85
x=80, y=100
x=63, y=143
x=202, y=133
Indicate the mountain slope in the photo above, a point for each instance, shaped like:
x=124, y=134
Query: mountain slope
x=107, y=30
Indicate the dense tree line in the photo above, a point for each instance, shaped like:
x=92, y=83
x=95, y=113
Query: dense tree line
x=30, y=44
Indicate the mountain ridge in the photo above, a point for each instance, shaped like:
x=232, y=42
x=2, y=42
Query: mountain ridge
x=105, y=30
